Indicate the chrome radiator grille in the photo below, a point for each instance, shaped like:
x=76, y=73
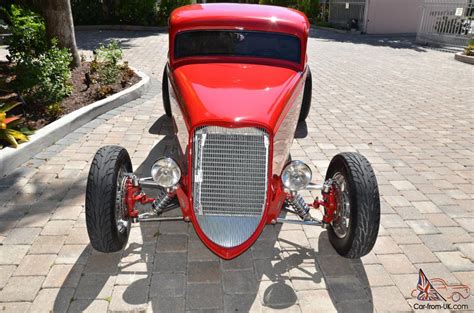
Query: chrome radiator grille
x=230, y=181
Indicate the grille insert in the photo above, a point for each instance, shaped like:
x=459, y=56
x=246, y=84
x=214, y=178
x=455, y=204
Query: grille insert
x=230, y=181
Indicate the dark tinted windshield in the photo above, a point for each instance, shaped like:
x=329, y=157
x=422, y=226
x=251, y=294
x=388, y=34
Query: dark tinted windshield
x=237, y=43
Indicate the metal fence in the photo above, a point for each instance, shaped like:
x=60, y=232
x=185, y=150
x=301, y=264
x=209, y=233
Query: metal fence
x=341, y=12
x=446, y=22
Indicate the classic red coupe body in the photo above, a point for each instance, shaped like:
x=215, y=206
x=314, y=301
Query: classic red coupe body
x=236, y=84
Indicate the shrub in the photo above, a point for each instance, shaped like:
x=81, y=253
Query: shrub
x=107, y=69
x=283, y=3
x=127, y=74
x=308, y=7
x=106, y=63
x=141, y=12
x=55, y=74
x=87, y=12
x=42, y=67
x=469, y=50
x=131, y=12
x=103, y=91
x=167, y=6
x=28, y=34
x=54, y=110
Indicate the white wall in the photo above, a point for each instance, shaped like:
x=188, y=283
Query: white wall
x=393, y=16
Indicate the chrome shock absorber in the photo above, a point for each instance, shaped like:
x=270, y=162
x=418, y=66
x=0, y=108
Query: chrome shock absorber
x=297, y=202
x=160, y=204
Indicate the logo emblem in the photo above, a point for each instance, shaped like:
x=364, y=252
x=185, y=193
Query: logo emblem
x=426, y=291
x=429, y=290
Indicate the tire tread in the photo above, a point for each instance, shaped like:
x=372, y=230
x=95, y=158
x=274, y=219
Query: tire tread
x=367, y=201
x=100, y=198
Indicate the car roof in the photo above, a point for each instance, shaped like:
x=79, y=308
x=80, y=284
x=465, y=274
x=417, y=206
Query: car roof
x=241, y=16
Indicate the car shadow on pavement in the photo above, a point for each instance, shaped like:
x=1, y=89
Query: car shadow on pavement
x=391, y=41
x=166, y=268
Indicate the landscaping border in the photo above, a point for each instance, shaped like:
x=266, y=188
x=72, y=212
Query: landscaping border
x=461, y=57
x=11, y=158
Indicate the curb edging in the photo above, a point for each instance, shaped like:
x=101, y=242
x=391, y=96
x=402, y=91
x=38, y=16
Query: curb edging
x=461, y=57
x=11, y=158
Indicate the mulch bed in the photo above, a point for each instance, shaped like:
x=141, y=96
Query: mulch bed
x=35, y=116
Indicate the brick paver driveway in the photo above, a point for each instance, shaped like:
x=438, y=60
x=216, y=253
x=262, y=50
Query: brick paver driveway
x=409, y=110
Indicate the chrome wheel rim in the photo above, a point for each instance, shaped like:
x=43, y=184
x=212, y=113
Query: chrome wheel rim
x=121, y=219
x=341, y=221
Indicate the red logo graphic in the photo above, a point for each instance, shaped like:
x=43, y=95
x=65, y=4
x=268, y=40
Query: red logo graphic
x=427, y=290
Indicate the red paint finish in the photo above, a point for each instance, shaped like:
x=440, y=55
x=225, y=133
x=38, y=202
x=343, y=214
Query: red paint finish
x=279, y=196
x=242, y=17
x=329, y=203
x=134, y=194
x=234, y=94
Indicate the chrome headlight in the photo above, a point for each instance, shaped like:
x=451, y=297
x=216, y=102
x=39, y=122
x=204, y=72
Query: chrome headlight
x=296, y=176
x=166, y=172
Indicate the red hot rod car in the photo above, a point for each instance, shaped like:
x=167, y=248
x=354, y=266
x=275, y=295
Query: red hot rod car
x=236, y=84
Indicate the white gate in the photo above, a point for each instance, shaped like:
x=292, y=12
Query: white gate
x=446, y=22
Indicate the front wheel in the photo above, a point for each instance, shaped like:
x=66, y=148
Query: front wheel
x=355, y=225
x=108, y=224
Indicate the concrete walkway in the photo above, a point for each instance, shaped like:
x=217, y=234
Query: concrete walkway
x=407, y=109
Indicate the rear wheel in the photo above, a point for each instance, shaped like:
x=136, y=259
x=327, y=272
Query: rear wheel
x=355, y=226
x=307, y=93
x=166, y=93
x=108, y=224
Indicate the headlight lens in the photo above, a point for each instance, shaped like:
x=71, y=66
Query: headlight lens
x=296, y=176
x=166, y=172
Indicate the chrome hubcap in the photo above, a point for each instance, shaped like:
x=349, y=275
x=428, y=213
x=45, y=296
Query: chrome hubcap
x=341, y=221
x=121, y=219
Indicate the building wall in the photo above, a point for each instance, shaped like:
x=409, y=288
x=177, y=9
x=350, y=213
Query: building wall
x=393, y=16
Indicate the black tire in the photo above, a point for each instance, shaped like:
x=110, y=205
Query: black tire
x=107, y=169
x=363, y=197
x=307, y=93
x=165, y=92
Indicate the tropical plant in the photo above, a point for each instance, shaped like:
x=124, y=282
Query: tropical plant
x=8, y=133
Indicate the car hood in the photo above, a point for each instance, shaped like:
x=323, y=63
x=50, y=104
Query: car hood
x=235, y=94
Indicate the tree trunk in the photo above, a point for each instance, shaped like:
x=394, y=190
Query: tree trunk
x=58, y=17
